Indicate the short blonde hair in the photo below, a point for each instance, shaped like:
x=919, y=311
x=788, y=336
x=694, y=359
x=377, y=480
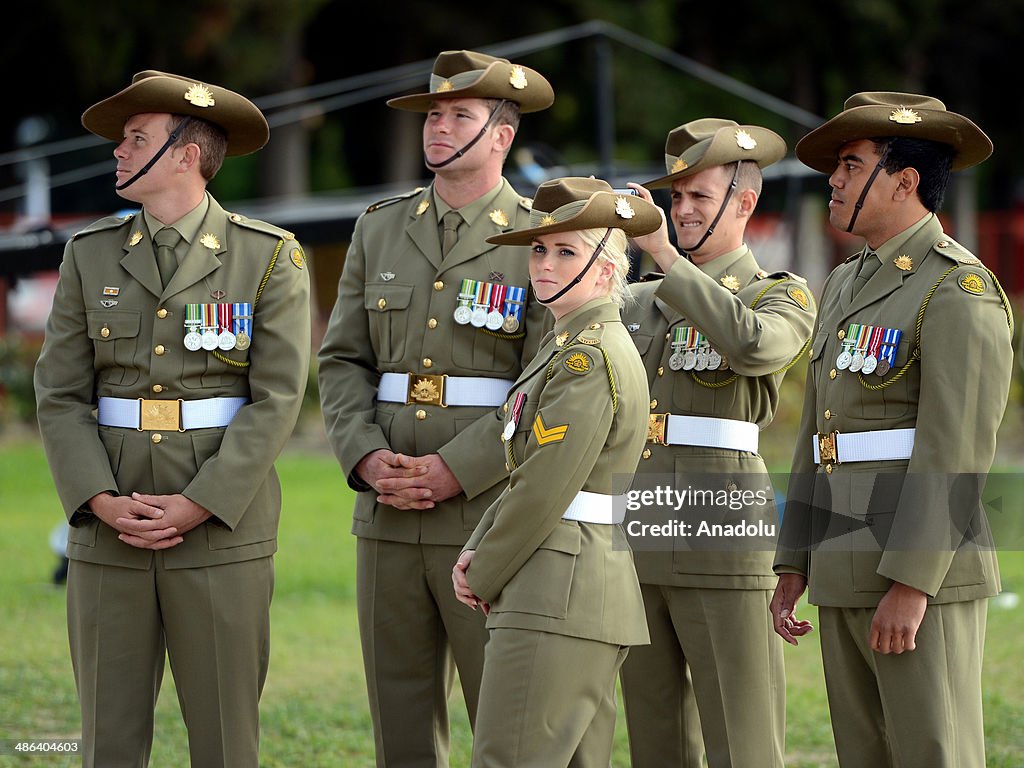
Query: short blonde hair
x=615, y=254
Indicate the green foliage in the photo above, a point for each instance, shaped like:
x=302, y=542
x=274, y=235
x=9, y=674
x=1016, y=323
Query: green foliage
x=17, y=361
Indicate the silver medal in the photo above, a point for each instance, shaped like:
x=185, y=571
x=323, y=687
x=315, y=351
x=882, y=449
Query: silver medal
x=463, y=314
x=479, y=317
x=193, y=341
x=676, y=361
x=844, y=360
x=870, y=364
x=494, y=320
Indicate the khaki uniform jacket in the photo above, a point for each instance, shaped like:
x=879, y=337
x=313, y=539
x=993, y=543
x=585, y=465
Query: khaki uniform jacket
x=395, y=314
x=916, y=521
x=580, y=427
x=133, y=345
x=760, y=328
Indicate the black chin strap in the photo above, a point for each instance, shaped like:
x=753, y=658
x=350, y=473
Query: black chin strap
x=725, y=202
x=576, y=280
x=864, y=194
x=469, y=146
x=171, y=140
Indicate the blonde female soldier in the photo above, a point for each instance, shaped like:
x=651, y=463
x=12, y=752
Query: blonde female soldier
x=549, y=562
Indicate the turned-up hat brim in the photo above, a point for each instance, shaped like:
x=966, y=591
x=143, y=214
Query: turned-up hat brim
x=468, y=74
x=152, y=91
x=884, y=114
x=701, y=144
x=575, y=203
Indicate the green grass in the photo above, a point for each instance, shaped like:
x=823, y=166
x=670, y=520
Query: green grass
x=314, y=710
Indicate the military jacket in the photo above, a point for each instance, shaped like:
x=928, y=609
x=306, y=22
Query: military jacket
x=577, y=416
x=854, y=528
x=395, y=313
x=115, y=332
x=759, y=323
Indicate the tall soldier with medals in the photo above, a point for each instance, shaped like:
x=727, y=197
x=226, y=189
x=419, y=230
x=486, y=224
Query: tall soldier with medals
x=717, y=334
x=162, y=444
x=884, y=523
x=431, y=327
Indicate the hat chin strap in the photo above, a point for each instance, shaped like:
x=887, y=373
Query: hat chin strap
x=576, y=280
x=725, y=202
x=863, y=194
x=171, y=140
x=469, y=146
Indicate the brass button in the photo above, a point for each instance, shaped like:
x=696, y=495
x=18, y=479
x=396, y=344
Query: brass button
x=833, y=373
x=421, y=414
x=432, y=323
x=161, y=313
x=646, y=454
x=381, y=303
x=504, y=408
x=506, y=466
x=159, y=349
x=158, y=388
x=661, y=370
x=428, y=363
x=104, y=332
x=841, y=335
x=828, y=413
x=654, y=404
x=156, y=437
x=828, y=469
x=594, y=326
x=668, y=336
x=439, y=285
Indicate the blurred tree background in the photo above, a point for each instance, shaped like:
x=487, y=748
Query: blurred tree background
x=63, y=55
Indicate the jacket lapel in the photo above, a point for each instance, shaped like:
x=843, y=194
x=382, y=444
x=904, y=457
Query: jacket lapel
x=204, y=251
x=139, y=259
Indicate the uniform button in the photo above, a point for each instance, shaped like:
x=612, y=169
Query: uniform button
x=158, y=388
x=731, y=486
x=381, y=303
x=159, y=349
x=841, y=334
x=439, y=285
x=156, y=437
x=104, y=332
x=828, y=413
x=504, y=408
x=428, y=363
x=432, y=323
x=833, y=373
x=668, y=336
x=661, y=370
x=161, y=313
x=421, y=414
x=646, y=454
x=828, y=469
x=506, y=466
x=654, y=404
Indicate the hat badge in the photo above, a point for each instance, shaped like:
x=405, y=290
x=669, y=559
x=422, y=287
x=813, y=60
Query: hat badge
x=446, y=85
x=623, y=208
x=904, y=116
x=547, y=220
x=199, y=96
x=517, y=78
x=679, y=165
x=744, y=140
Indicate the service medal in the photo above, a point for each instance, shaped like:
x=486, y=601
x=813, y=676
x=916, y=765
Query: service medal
x=209, y=340
x=857, y=362
x=242, y=340
x=702, y=361
x=882, y=368
x=714, y=360
x=463, y=314
x=478, y=317
x=226, y=340
x=870, y=364
x=689, y=360
x=676, y=361
x=510, y=324
x=193, y=341
x=510, y=429
x=844, y=360
x=495, y=320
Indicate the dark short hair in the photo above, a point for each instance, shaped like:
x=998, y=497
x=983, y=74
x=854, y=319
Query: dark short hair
x=932, y=160
x=210, y=138
x=507, y=112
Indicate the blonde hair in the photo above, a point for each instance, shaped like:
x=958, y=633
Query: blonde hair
x=615, y=254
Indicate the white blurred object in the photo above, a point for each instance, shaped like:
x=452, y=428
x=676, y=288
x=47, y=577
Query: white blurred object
x=1006, y=600
x=59, y=539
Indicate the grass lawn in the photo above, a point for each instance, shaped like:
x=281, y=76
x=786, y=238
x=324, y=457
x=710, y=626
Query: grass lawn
x=314, y=707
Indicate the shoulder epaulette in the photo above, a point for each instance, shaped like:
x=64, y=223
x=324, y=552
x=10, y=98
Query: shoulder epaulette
x=784, y=275
x=526, y=203
x=108, y=222
x=260, y=226
x=951, y=249
x=392, y=200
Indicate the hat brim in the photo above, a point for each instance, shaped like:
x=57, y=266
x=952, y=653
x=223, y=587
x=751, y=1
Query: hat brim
x=819, y=149
x=493, y=83
x=722, y=148
x=241, y=120
x=600, y=212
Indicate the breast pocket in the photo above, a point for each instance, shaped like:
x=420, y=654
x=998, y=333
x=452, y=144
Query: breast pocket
x=387, y=305
x=115, y=337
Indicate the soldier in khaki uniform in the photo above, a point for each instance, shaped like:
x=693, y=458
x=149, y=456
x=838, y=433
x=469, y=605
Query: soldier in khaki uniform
x=909, y=374
x=431, y=327
x=169, y=380
x=717, y=334
x=549, y=563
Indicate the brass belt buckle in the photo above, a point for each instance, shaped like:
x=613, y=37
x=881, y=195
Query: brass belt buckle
x=162, y=415
x=426, y=389
x=656, y=427
x=827, y=448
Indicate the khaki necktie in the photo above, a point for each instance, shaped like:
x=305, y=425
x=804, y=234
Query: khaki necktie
x=166, y=239
x=451, y=220
x=869, y=264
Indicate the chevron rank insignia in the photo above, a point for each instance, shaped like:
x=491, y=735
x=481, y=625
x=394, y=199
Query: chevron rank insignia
x=547, y=435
